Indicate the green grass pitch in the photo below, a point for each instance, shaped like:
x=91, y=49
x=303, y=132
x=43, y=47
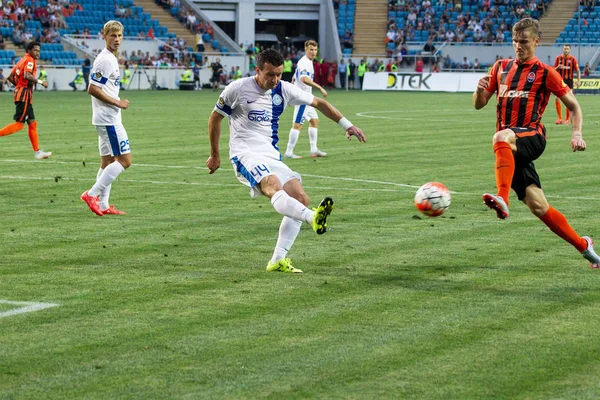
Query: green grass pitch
x=172, y=300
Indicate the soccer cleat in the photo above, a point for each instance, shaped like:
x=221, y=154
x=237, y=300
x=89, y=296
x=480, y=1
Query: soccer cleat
x=93, y=203
x=292, y=155
x=41, y=154
x=589, y=253
x=319, y=222
x=283, y=265
x=318, y=153
x=112, y=210
x=497, y=204
x=559, y=121
x=566, y=122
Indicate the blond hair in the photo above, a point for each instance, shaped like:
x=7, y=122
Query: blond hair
x=111, y=26
x=310, y=43
x=527, y=24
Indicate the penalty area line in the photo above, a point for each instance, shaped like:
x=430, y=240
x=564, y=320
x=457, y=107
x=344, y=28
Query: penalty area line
x=24, y=307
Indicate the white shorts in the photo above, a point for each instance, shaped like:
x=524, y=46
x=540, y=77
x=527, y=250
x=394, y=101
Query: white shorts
x=251, y=168
x=304, y=112
x=112, y=140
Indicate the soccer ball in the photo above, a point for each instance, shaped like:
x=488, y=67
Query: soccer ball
x=432, y=199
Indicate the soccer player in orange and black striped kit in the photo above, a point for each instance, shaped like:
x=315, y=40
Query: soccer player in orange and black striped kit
x=23, y=77
x=566, y=65
x=523, y=88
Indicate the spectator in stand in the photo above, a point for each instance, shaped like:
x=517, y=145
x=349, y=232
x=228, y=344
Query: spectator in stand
x=466, y=64
x=428, y=51
x=447, y=62
x=419, y=64
x=348, y=40
x=489, y=37
x=2, y=44
x=199, y=43
x=450, y=36
x=586, y=70
x=477, y=36
x=477, y=64
x=460, y=36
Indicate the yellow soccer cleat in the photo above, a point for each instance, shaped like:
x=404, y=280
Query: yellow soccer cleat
x=319, y=222
x=283, y=265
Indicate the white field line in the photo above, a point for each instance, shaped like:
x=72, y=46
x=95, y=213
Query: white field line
x=331, y=178
x=26, y=306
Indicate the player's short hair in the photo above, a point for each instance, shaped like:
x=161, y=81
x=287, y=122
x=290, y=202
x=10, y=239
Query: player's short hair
x=270, y=56
x=111, y=26
x=567, y=44
x=32, y=44
x=527, y=24
x=310, y=43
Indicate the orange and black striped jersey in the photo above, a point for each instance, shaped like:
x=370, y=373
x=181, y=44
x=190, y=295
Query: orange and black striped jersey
x=523, y=91
x=568, y=61
x=23, y=87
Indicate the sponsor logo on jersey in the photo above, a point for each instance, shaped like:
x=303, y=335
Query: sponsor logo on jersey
x=259, y=116
x=504, y=92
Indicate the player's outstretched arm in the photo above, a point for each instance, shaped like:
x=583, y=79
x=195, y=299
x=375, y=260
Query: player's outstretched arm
x=214, y=134
x=333, y=114
x=577, y=142
x=307, y=81
x=29, y=76
x=481, y=96
x=98, y=93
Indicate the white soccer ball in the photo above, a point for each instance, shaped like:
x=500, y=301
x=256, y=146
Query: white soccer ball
x=432, y=199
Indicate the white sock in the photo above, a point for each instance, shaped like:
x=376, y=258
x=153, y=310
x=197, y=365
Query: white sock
x=288, y=232
x=294, y=133
x=109, y=174
x=286, y=205
x=104, y=194
x=312, y=138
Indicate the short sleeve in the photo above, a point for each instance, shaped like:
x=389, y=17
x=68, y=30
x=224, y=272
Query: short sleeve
x=30, y=67
x=493, y=86
x=100, y=72
x=555, y=83
x=303, y=70
x=556, y=62
x=228, y=100
x=296, y=96
x=575, y=64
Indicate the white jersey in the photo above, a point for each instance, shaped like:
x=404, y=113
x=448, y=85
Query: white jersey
x=305, y=67
x=106, y=75
x=254, y=114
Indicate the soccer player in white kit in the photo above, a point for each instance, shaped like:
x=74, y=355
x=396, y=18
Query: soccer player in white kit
x=253, y=106
x=304, y=79
x=113, y=143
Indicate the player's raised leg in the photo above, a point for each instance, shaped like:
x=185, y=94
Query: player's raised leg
x=504, y=145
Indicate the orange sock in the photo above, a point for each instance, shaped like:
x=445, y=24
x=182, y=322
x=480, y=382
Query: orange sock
x=505, y=168
x=33, y=136
x=558, y=108
x=559, y=225
x=568, y=114
x=11, y=128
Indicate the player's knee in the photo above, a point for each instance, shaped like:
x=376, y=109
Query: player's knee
x=502, y=136
x=125, y=162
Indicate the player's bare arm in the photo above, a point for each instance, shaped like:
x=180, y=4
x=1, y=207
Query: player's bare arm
x=214, y=134
x=307, y=81
x=11, y=78
x=29, y=76
x=333, y=114
x=577, y=142
x=98, y=93
x=481, y=96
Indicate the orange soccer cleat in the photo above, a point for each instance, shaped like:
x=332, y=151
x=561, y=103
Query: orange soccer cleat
x=559, y=121
x=112, y=210
x=93, y=203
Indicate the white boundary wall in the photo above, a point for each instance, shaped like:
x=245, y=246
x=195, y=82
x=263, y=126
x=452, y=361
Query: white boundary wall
x=422, y=82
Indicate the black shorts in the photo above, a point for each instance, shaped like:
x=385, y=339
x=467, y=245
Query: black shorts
x=351, y=77
x=24, y=112
x=215, y=77
x=569, y=83
x=530, y=146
